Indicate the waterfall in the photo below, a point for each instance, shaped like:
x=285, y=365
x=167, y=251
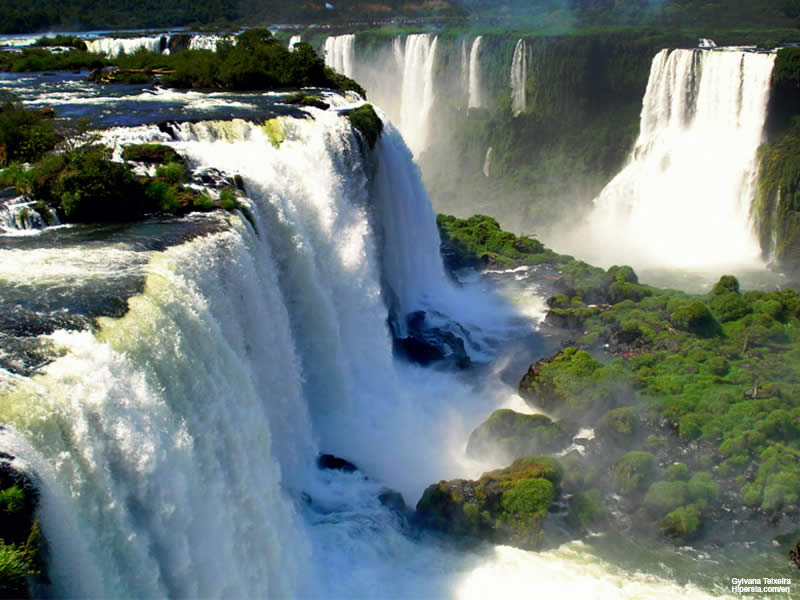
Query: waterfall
x=465, y=69
x=208, y=42
x=487, y=162
x=417, y=92
x=113, y=47
x=340, y=53
x=295, y=39
x=684, y=198
x=475, y=91
x=519, y=74
x=181, y=434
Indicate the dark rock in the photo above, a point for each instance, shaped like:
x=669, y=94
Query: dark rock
x=179, y=42
x=334, y=463
x=425, y=345
x=393, y=501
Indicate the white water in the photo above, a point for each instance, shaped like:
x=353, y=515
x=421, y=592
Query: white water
x=208, y=42
x=113, y=47
x=475, y=90
x=173, y=445
x=684, y=198
x=487, y=162
x=295, y=39
x=340, y=53
x=519, y=74
x=417, y=92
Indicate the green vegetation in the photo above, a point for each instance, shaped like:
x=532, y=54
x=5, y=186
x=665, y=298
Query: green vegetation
x=83, y=184
x=505, y=506
x=514, y=434
x=19, y=535
x=25, y=135
x=306, y=100
x=572, y=383
x=479, y=242
x=720, y=371
x=151, y=153
x=65, y=41
x=365, y=120
x=40, y=59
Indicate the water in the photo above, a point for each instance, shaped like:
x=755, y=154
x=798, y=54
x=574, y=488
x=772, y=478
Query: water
x=340, y=53
x=175, y=442
x=113, y=47
x=475, y=90
x=417, y=91
x=684, y=198
x=519, y=75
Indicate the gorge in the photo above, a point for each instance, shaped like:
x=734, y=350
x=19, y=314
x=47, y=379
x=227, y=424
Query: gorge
x=169, y=384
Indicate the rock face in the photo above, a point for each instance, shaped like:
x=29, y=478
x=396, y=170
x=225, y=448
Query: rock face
x=506, y=506
x=425, y=345
x=512, y=434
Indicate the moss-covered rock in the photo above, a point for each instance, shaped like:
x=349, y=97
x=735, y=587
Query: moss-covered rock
x=573, y=384
x=366, y=120
x=157, y=154
x=306, y=100
x=506, y=506
x=511, y=434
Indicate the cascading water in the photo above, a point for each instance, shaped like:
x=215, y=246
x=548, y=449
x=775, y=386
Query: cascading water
x=684, y=197
x=208, y=42
x=519, y=74
x=475, y=90
x=174, y=445
x=113, y=47
x=340, y=53
x=295, y=39
x=417, y=92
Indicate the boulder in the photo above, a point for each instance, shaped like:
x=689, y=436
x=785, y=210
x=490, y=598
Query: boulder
x=505, y=506
x=512, y=434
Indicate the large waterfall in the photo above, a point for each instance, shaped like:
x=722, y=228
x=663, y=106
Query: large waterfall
x=685, y=196
x=417, y=92
x=475, y=91
x=340, y=53
x=519, y=74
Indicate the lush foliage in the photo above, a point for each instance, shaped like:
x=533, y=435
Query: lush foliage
x=479, y=242
x=41, y=59
x=83, y=184
x=25, y=135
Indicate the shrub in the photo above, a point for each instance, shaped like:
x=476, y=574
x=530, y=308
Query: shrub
x=695, y=318
x=173, y=173
x=665, y=496
x=676, y=472
x=633, y=472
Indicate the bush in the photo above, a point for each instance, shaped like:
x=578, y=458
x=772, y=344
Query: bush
x=681, y=523
x=25, y=135
x=633, y=472
x=173, y=173
x=665, y=496
x=695, y=318
x=676, y=472
x=87, y=186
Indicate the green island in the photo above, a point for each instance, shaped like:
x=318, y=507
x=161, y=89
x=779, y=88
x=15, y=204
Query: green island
x=253, y=60
x=693, y=398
